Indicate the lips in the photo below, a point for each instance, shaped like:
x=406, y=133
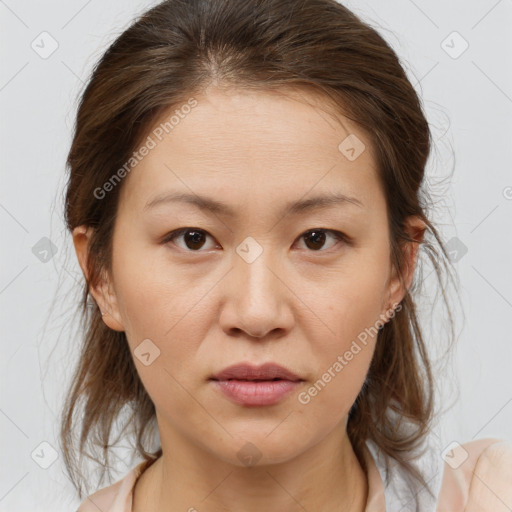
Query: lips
x=265, y=372
x=256, y=386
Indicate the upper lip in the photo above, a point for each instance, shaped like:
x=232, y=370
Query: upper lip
x=245, y=371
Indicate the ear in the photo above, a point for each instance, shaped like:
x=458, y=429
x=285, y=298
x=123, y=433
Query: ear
x=103, y=292
x=415, y=228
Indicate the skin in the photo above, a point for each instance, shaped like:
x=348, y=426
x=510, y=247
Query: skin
x=298, y=304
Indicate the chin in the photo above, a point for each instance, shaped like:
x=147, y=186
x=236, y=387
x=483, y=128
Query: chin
x=257, y=448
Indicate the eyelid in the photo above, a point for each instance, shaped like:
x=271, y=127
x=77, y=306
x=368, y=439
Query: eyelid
x=178, y=232
x=339, y=235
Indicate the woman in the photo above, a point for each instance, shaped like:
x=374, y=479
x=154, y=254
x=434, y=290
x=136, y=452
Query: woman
x=245, y=203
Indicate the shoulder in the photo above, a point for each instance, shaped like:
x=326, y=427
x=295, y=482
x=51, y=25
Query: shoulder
x=477, y=477
x=116, y=497
x=102, y=499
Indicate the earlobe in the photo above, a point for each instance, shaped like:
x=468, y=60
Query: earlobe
x=107, y=301
x=396, y=291
x=112, y=322
x=102, y=293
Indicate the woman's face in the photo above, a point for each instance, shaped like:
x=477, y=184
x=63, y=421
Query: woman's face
x=250, y=283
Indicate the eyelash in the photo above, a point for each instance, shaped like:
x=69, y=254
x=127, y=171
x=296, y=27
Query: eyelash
x=338, y=235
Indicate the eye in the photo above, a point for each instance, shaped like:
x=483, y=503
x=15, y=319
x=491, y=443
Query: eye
x=316, y=238
x=194, y=238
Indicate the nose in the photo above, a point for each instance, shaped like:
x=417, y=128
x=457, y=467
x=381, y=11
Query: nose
x=256, y=299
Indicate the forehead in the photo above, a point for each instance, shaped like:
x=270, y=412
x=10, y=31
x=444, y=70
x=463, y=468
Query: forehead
x=253, y=145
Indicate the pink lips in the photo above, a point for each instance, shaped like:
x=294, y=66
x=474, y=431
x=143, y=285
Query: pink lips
x=250, y=385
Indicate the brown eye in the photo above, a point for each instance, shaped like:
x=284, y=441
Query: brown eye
x=316, y=238
x=193, y=238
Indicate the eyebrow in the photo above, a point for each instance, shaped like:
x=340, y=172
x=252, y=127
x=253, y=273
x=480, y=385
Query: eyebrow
x=212, y=205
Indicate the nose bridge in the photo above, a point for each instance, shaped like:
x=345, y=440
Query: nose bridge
x=253, y=265
x=256, y=297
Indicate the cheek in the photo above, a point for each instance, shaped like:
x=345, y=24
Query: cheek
x=351, y=307
x=153, y=297
x=352, y=301
x=161, y=306
x=341, y=366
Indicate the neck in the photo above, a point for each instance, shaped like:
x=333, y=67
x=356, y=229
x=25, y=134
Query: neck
x=326, y=476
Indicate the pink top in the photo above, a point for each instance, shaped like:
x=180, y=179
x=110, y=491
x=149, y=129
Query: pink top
x=476, y=477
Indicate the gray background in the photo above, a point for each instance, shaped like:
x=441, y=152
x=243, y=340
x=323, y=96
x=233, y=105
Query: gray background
x=468, y=100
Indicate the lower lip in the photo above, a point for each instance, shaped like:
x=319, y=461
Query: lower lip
x=245, y=392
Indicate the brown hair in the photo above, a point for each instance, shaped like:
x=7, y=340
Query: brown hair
x=175, y=50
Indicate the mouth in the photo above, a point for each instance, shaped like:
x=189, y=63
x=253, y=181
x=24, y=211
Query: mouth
x=248, y=372
x=247, y=385
x=252, y=380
